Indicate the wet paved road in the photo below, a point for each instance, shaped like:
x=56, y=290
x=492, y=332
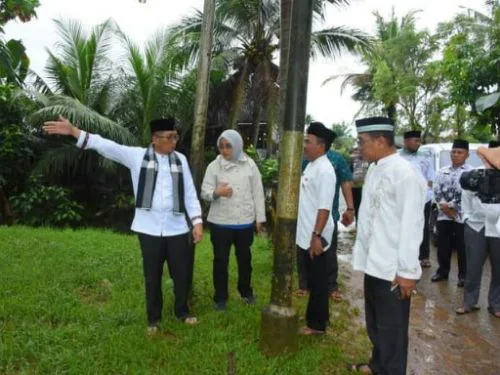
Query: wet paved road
x=441, y=342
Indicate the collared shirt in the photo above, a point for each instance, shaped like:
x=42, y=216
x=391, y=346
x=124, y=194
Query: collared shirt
x=317, y=190
x=359, y=168
x=391, y=222
x=343, y=174
x=160, y=220
x=423, y=163
x=447, y=189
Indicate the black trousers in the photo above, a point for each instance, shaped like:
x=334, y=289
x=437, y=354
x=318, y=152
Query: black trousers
x=222, y=239
x=357, y=193
x=331, y=261
x=179, y=255
x=317, y=313
x=425, y=245
x=387, y=320
x=447, y=231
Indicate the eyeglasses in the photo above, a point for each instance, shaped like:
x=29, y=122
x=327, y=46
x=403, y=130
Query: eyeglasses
x=170, y=137
x=226, y=146
x=362, y=141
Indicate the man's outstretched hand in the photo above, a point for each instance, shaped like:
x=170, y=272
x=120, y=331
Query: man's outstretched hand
x=61, y=127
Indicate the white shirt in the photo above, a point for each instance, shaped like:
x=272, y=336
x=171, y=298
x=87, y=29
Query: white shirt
x=473, y=213
x=160, y=220
x=317, y=190
x=391, y=220
x=423, y=163
x=492, y=219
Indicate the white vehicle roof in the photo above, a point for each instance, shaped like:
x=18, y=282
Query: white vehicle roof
x=447, y=146
x=441, y=154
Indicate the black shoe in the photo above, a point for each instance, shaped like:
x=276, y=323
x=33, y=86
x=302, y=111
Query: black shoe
x=461, y=283
x=437, y=277
x=220, y=306
x=250, y=300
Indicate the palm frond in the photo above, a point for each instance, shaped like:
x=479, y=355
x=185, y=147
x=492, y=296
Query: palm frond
x=39, y=84
x=59, y=158
x=79, y=63
x=361, y=82
x=84, y=117
x=57, y=74
x=333, y=41
x=319, y=7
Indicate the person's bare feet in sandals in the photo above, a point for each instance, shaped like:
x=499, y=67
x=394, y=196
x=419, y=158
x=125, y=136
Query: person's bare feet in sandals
x=301, y=293
x=496, y=314
x=466, y=310
x=360, y=367
x=153, y=330
x=306, y=331
x=191, y=320
x=336, y=295
x=425, y=263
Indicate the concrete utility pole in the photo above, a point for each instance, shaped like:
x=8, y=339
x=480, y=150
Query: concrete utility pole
x=279, y=323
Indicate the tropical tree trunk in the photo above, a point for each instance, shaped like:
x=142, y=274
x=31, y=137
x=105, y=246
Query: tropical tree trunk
x=5, y=209
x=257, y=112
x=271, y=107
x=279, y=319
x=391, y=112
x=286, y=8
x=238, y=97
x=202, y=92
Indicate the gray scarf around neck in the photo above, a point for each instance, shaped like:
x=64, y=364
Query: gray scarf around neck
x=147, y=181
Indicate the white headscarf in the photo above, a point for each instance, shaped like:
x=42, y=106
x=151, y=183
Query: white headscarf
x=236, y=142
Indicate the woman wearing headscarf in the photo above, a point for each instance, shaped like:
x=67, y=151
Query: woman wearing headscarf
x=233, y=186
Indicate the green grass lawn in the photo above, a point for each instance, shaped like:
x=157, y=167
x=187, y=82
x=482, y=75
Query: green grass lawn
x=72, y=302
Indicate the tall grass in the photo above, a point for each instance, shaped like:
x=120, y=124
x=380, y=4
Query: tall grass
x=72, y=302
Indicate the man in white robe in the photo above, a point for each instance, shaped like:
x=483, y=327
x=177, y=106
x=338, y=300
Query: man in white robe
x=389, y=235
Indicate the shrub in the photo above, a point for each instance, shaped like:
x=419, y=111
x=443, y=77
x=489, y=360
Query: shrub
x=46, y=206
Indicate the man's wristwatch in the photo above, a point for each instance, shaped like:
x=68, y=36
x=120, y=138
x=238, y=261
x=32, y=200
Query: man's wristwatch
x=316, y=234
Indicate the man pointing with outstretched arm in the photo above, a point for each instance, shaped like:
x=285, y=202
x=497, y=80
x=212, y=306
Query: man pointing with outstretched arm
x=167, y=209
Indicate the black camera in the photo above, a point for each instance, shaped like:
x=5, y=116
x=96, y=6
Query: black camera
x=485, y=182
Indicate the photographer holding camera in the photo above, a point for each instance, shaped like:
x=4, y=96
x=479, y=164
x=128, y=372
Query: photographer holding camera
x=481, y=211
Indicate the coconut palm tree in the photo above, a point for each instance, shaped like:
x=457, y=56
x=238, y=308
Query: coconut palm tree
x=247, y=37
x=150, y=82
x=377, y=60
x=81, y=87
